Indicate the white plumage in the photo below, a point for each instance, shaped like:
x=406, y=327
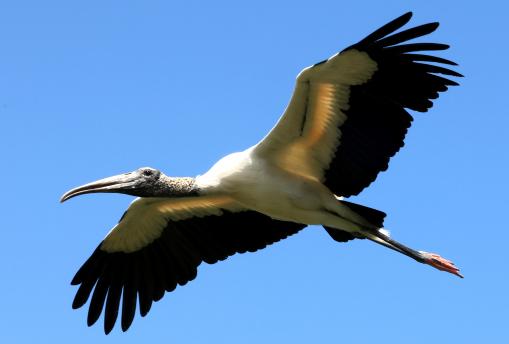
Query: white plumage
x=347, y=117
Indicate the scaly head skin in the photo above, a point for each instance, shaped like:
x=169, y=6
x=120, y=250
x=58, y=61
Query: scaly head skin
x=143, y=182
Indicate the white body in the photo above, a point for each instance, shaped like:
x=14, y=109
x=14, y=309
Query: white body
x=346, y=118
x=283, y=175
x=258, y=184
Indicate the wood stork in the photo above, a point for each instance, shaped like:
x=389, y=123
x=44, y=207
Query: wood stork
x=346, y=119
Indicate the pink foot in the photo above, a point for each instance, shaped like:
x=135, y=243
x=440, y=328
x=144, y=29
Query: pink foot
x=441, y=263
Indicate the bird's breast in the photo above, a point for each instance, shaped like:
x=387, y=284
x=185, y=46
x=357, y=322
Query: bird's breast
x=259, y=185
x=277, y=193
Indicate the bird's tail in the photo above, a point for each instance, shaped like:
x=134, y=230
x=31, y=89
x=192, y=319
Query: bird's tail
x=373, y=216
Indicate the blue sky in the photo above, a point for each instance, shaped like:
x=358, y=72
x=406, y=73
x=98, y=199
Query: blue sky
x=91, y=89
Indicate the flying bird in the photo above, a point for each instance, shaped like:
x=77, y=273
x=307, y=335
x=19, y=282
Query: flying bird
x=347, y=117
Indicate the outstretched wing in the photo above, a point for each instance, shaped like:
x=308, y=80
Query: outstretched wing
x=347, y=116
x=159, y=243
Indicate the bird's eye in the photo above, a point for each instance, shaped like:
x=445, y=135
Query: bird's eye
x=147, y=173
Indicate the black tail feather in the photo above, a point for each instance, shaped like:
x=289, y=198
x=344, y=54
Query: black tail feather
x=339, y=235
x=375, y=217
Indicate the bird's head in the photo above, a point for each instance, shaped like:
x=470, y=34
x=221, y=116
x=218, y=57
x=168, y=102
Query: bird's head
x=142, y=182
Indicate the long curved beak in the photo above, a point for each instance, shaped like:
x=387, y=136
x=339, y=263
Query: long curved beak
x=111, y=184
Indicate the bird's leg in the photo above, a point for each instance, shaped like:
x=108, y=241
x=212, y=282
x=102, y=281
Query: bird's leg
x=431, y=259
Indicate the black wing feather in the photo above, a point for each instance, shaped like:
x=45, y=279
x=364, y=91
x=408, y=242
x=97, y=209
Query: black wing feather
x=377, y=119
x=129, y=293
x=428, y=58
x=388, y=28
x=113, y=298
x=98, y=297
x=409, y=34
x=146, y=291
x=173, y=258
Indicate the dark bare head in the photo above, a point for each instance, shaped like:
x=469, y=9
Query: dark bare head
x=143, y=182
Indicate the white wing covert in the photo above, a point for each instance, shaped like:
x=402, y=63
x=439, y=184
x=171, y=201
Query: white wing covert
x=347, y=116
x=159, y=243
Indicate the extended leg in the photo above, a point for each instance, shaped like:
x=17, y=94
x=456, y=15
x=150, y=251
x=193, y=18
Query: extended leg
x=350, y=218
x=431, y=259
